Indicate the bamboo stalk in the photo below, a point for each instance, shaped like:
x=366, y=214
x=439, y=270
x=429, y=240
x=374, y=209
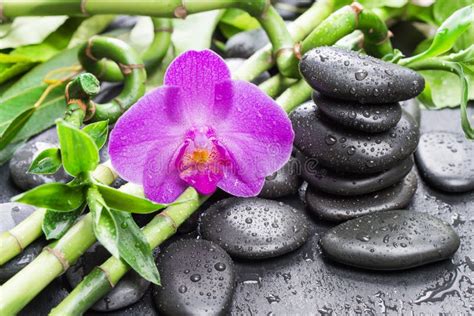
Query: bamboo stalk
x=13, y=242
x=262, y=10
x=263, y=59
x=157, y=50
x=275, y=85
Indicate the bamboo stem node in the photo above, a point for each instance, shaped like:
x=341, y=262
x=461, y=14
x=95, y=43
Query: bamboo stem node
x=17, y=240
x=83, y=8
x=60, y=256
x=127, y=69
x=107, y=276
x=180, y=12
x=171, y=220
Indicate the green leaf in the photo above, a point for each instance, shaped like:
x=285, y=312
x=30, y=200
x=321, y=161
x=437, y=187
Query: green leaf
x=443, y=9
x=56, y=224
x=134, y=248
x=30, y=30
x=234, y=21
x=55, y=196
x=47, y=162
x=98, y=131
x=91, y=26
x=446, y=35
x=14, y=127
x=78, y=150
x=122, y=201
x=8, y=71
x=105, y=226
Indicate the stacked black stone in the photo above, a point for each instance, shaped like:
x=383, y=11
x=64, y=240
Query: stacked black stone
x=355, y=142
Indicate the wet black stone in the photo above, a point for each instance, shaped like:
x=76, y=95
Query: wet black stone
x=340, y=208
x=283, y=182
x=349, y=75
x=446, y=161
x=412, y=107
x=144, y=307
x=291, y=9
x=128, y=291
x=197, y=278
x=7, y=188
x=392, y=240
x=21, y=161
x=254, y=228
x=12, y=213
x=245, y=44
x=235, y=63
x=370, y=118
x=347, y=184
x=352, y=151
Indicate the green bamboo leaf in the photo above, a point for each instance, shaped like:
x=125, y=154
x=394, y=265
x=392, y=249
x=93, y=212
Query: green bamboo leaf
x=55, y=196
x=134, y=248
x=122, y=201
x=8, y=71
x=14, y=127
x=56, y=224
x=105, y=226
x=446, y=35
x=98, y=131
x=234, y=21
x=78, y=150
x=47, y=162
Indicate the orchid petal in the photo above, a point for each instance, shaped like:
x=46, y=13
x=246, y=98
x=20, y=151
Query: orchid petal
x=161, y=181
x=196, y=73
x=257, y=134
x=147, y=124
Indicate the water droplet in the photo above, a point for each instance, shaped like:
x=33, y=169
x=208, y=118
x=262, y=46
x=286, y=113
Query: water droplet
x=124, y=225
x=351, y=150
x=182, y=289
x=248, y=220
x=361, y=75
x=330, y=140
x=220, y=266
x=195, y=277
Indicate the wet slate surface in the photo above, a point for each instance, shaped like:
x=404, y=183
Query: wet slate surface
x=305, y=283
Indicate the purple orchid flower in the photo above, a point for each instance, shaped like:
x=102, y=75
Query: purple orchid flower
x=201, y=129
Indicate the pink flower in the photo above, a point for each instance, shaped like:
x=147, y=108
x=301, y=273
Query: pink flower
x=201, y=129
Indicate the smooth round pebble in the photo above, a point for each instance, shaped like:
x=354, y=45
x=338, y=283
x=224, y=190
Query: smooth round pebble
x=254, y=228
x=446, y=161
x=283, y=182
x=348, y=184
x=352, y=151
x=370, y=118
x=127, y=291
x=339, y=208
x=197, y=278
x=245, y=44
x=24, y=156
x=348, y=75
x=12, y=214
x=392, y=240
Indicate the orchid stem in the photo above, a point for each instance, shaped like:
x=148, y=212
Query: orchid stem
x=263, y=59
x=99, y=282
x=262, y=10
x=13, y=242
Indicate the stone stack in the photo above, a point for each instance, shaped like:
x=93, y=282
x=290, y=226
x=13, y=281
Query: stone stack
x=355, y=142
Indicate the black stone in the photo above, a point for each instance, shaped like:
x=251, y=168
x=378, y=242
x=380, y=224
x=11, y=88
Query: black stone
x=12, y=214
x=370, y=118
x=235, y=63
x=352, y=151
x=291, y=9
x=392, y=240
x=347, y=184
x=283, y=182
x=254, y=228
x=349, y=75
x=21, y=161
x=412, y=107
x=197, y=278
x=127, y=291
x=144, y=307
x=245, y=44
x=446, y=161
x=341, y=208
